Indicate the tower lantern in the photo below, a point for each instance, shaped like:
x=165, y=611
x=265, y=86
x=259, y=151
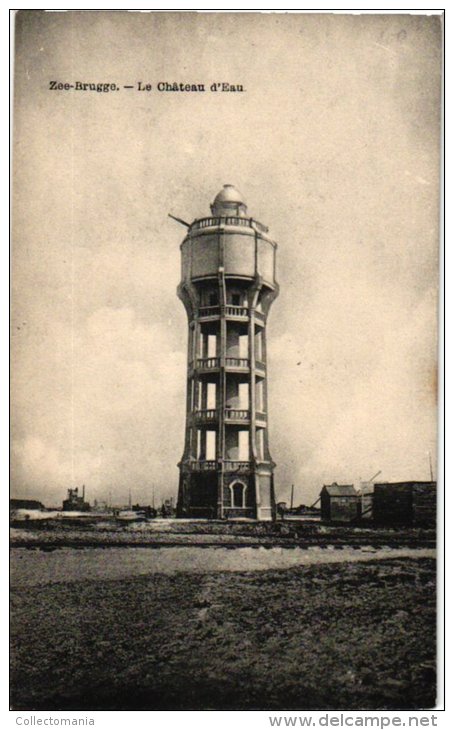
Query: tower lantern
x=228, y=282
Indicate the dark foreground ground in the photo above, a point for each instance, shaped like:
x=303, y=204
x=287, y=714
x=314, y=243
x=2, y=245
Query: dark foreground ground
x=95, y=532
x=343, y=636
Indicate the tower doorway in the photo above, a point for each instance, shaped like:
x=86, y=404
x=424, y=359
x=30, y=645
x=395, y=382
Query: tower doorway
x=238, y=494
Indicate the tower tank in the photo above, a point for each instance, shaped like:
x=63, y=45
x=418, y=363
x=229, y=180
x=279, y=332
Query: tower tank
x=228, y=283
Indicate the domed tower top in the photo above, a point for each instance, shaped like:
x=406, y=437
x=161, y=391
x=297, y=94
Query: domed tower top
x=229, y=202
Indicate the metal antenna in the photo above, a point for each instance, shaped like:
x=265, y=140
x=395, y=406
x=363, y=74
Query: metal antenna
x=179, y=220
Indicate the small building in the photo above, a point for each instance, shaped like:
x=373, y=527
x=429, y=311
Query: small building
x=148, y=511
x=281, y=509
x=367, y=500
x=25, y=504
x=167, y=508
x=366, y=490
x=74, y=502
x=405, y=503
x=340, y=503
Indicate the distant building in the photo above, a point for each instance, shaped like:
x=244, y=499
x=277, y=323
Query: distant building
x=405, y=503
x=147, y=511
x=366, y=490
x=367, y=501
x=340, y=503
x=74, y=502
x=100, y=506
x=304, y=509
x=167, y=508
x=281, y=509
x=25, y=504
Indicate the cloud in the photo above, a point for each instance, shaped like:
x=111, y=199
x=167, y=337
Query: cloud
x=123, y=409
x=359, y=400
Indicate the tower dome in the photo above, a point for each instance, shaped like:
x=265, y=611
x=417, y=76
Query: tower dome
x=229, y=201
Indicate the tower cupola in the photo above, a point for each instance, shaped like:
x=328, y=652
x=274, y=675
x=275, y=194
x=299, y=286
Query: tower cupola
x=229, y=201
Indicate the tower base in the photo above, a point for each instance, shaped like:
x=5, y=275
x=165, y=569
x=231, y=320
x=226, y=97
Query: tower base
x=242, y=493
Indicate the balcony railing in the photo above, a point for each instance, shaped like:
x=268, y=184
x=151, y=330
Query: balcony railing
x=207, y=415
x=230, y=310
x=231, y=220
x=259, y=365
x=237, y=466
x=211, y=465
x=260, y=416
x=237, y=362
x=233, y=310
x=236, y=414
x=207, y=363
x=210, y=415
x=212, y=311
x=260, y=316
x=202, y=465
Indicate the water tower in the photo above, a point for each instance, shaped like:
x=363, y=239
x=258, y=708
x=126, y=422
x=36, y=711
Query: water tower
x=228, y=283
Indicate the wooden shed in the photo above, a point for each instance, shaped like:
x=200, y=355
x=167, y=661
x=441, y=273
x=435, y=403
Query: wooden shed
x=405, y=503
x=340, y=503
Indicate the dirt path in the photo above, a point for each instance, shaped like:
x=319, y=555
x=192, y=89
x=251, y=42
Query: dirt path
x=35, y=567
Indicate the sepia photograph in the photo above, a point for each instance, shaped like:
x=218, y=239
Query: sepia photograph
x=224, y=448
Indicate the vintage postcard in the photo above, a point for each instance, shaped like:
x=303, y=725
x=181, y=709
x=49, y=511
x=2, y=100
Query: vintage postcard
x=225, y=277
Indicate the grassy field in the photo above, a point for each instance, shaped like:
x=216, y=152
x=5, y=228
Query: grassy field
x=344, y=636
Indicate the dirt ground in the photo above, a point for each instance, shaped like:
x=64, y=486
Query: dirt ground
x=344, y=636
x=91, y=533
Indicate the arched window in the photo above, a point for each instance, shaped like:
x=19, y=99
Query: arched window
x=238, y=494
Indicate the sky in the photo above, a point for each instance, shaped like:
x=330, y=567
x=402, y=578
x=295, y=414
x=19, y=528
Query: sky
x=335, y=146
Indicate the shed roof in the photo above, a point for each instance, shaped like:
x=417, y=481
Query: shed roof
x=340, y=490
x=400, y=485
